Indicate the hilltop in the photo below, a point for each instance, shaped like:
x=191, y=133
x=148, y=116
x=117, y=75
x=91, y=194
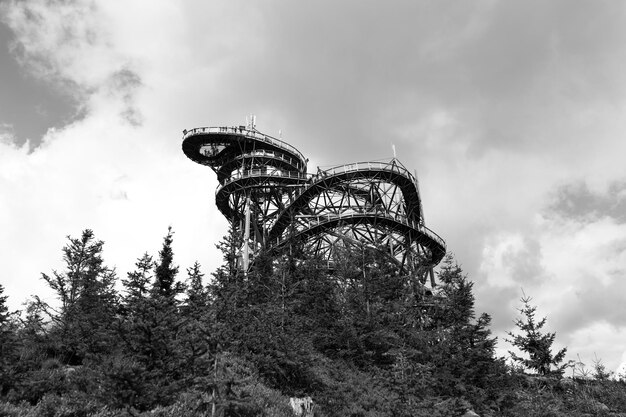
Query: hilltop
x=360, y=340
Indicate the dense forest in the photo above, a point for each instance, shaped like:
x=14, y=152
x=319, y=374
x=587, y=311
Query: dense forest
x=362, y=340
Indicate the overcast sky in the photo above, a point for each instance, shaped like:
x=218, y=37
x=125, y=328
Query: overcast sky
x=512, y=113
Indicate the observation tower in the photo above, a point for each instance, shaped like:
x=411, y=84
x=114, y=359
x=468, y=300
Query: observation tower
x=271, y=201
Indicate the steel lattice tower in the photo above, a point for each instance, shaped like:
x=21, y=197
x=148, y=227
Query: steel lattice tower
x=269, y=199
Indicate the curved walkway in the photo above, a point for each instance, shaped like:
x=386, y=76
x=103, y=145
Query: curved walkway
x=415, y=232
x=392, y=172
x=246, y=139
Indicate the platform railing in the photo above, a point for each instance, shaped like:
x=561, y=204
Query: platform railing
x=271, y=154
x=362, y=166
x=243, y=130
x=260, y=172
x=434, y=236
x=317, y=220
x=391, y=166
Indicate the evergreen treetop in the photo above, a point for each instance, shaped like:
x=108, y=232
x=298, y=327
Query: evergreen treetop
x=197, y=295
x=165, y=271
x=4, y=310
x=137, y=282
x=536, y=344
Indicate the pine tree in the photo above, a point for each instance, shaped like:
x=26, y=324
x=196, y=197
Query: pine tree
x=129, y=379
x=369, y=298
x=537, y=345
x=149, y=370
x=5, y=320
x=165, y=271
x=462, y=348
x=8, y=345
x=200, y=338
x=137, y=283
x=82, y=325
x=4, y=309
x=599, y=370
x=134, y=324
x=197, y=296
x=84, y=270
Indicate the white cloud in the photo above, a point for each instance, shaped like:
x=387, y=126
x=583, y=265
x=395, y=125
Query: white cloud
x=600, y=340
x=126, y=182
x=577, y=283
x=76, y=180
x=494, y=112
x=61, y=41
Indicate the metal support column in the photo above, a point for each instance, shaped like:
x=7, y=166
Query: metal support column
x=246, y=237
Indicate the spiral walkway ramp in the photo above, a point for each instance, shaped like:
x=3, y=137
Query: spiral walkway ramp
x=271, y=201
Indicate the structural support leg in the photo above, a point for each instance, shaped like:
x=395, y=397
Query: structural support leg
x=246, y=238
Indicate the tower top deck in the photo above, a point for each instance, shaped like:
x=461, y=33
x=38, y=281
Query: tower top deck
x=197, y=141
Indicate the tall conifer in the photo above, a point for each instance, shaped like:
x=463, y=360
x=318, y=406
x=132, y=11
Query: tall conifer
x=8, y=344
x=82, y=324
x=536, y=344
x=165, y=271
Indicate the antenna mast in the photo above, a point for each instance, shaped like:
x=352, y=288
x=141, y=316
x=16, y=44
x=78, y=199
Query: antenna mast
x=251, y=122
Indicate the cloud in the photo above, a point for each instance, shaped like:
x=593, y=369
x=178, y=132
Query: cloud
x=6, y=133
x=602, y=341
x=576, y=200
x=511, y=113
x=62, y=41
x=577, y=284
x=125, y=83
x=108, y=171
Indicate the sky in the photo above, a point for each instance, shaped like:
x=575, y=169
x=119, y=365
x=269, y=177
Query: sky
x=512, y=113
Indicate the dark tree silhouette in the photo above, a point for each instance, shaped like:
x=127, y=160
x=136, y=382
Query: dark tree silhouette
x=83, y=324
x=8, y=344
x=165, y=271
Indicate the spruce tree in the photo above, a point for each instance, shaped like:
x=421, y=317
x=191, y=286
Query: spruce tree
x=149, y=369
x=137, y=283
x=197, y=296
x=165, y=271
x=8, y=345
x=129, y=380
x=83, y=323
x=534, y=343
x=462, y=348
x=5, y=319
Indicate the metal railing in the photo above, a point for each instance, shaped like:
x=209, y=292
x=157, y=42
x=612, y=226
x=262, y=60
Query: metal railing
x=391, y=166
x=244, y=131
x=261, y=172
x=317, y=220
x=271, y=154
x=434, y=236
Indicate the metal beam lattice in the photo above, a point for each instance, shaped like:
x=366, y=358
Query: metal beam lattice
x=266, y=194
